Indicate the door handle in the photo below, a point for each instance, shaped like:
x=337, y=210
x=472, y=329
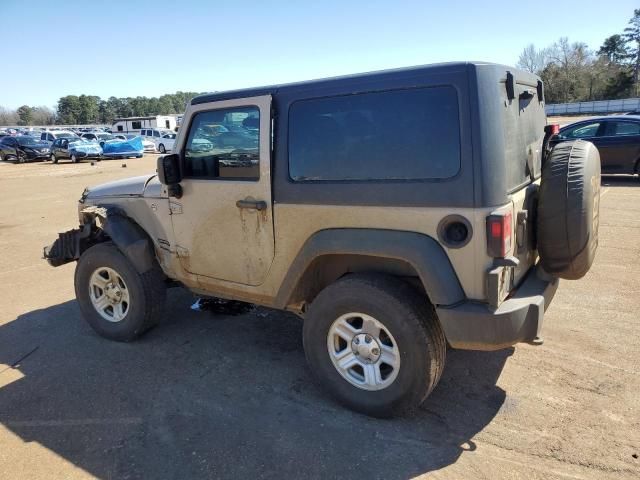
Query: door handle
x=252, y=204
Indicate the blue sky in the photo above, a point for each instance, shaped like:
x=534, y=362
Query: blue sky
x=147, y=48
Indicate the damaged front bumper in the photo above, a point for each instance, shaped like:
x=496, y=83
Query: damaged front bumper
x=67, y=247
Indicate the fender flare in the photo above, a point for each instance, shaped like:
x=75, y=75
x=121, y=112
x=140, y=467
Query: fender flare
x=421, y=251
x=127, y=235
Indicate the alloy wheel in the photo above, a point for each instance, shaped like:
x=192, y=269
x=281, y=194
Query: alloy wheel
x=109, y=294
x=363, y=351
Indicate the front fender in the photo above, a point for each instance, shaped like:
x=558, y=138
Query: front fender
x=125, y=233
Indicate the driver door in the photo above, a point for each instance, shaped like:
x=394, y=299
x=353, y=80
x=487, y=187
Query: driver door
x=223, y=223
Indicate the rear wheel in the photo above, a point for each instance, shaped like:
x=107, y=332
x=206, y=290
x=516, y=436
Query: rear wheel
x=375, y=343
x=118, y=302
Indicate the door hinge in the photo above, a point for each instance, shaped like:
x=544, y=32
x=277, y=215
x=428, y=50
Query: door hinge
x=181, y=252
x=175, y=208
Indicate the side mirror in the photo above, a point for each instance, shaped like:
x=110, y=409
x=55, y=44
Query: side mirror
x=169, y=169
x=169, y=174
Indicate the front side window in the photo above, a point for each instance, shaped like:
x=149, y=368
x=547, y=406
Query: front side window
x=582, y=131
x=220, y=147
x=409, y=134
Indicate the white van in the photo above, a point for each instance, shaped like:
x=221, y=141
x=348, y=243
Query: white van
x=50, y=136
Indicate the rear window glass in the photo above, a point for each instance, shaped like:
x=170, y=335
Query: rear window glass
x=626, y=128
x=394, y=135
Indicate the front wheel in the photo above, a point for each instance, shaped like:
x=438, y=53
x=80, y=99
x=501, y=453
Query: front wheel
x=161, y=148
x=53, y=158
x=375, y=343
x=118, y=302
x=74, y=159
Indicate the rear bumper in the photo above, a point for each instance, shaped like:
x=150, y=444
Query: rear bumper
x=476, y=326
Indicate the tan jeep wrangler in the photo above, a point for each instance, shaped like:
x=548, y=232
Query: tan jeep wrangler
x=396, y=212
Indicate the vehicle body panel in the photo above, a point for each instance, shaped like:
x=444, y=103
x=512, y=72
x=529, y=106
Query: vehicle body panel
x=217, y=239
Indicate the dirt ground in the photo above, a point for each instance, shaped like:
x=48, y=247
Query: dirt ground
x=215, y=395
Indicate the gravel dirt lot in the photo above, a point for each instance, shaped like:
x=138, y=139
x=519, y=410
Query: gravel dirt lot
x=213, y=395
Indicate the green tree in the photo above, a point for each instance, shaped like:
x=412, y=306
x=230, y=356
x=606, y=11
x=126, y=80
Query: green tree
x=25, y=114
x=89, y=109
x=632, y=36
x=69, y=110
x=614, y=48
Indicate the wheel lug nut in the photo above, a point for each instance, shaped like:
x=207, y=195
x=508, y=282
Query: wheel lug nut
x=356, y=341
x=375, y=351
x=367, y=339
x=356, y=353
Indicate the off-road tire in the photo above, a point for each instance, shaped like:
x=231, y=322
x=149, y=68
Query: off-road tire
x=147, y=293
x=410, y=319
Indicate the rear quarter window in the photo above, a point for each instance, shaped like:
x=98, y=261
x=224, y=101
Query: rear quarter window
x=411, y=134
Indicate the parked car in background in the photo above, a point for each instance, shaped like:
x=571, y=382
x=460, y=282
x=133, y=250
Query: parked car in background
x=617, y=138
x=165, y=143
x=74, y=149
x=23, y=149
x=99, y=137
x=37, y=134
x=123, y=148
x=50, y=136
x=147, y=145
x=154, y=135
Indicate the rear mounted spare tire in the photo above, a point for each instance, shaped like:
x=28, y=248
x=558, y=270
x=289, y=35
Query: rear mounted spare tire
x=568, y=210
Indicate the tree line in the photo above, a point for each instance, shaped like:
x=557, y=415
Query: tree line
x=90, y=109
x=571, y=72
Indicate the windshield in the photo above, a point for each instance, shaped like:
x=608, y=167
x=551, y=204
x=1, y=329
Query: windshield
x=27, y=141
x=65, y=135
x=104, y=136
x=170, y=135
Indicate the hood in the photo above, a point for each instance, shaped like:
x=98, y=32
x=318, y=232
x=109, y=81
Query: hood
x=126, y=187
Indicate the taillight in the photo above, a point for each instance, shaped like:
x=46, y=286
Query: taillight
x=553, y=129
x=499, y=229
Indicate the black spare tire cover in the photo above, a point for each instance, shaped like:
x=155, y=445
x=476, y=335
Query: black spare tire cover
x=568, y=209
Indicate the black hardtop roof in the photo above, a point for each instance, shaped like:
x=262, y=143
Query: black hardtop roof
x=435, y=68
